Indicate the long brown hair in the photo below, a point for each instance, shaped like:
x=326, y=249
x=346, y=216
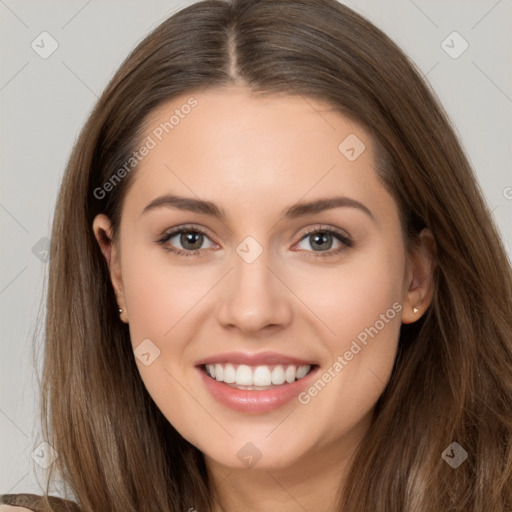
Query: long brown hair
x=452, y=380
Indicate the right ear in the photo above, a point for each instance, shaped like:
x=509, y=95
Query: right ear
x=102, y=229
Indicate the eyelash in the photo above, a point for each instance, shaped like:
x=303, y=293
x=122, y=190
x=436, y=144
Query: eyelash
x=345, y=241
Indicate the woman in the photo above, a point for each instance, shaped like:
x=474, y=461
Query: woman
x=274, y=284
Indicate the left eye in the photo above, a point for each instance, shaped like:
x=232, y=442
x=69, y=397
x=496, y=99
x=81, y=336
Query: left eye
x=322, y=240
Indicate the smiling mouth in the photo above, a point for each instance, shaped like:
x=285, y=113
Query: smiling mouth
x=257, y=378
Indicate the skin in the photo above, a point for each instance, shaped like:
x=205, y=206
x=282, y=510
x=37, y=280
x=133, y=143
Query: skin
x=254, y=157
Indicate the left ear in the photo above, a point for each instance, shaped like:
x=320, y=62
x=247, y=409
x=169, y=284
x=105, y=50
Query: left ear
x=419, y=281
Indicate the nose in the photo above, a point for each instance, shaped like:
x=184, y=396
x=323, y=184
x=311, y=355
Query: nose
x=253, y=299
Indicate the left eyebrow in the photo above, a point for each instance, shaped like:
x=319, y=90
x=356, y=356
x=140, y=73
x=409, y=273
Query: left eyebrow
x=293, y=212
x=319, y=205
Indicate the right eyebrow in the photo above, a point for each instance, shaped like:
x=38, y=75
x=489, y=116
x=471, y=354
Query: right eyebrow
x=187, y=204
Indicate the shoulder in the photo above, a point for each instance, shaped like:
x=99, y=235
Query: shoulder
x=35, y=503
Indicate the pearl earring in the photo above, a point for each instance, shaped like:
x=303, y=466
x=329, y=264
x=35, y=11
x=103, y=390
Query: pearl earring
x=120, y=310
x=415, y=310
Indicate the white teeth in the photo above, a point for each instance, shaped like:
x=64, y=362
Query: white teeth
x=278, y=375
x=244, y=375
x=262, y=376
x=302, y=371
x=229, y=374
x=258, y=376
x=219, y=372
x=289, y=374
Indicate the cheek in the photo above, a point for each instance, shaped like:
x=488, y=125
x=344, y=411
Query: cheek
x=160, y=299
x=361, y=305
x=160, y=295
x=163, y=300
x=352, y=296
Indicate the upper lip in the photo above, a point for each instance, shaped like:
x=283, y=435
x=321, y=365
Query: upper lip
x=252, y=359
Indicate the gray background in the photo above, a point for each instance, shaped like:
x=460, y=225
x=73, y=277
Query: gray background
x=44, y=103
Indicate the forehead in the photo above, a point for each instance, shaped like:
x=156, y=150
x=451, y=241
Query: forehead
x=236, y=145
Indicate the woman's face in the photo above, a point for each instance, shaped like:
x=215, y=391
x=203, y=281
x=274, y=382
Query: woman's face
x=272, y=280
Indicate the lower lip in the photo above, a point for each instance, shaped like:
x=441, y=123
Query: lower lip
x=251, y=401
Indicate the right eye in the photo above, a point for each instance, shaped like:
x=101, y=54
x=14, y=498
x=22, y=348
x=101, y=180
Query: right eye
x=190, y=239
